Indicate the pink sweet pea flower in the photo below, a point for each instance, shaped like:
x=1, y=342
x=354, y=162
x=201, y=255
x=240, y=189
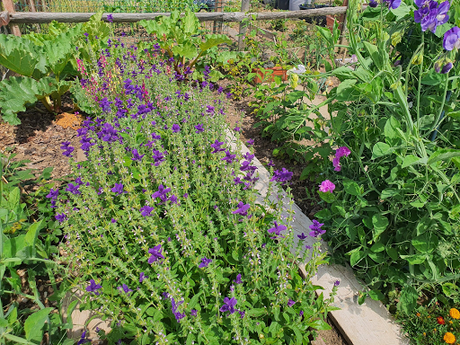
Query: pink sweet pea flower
x=326, y=186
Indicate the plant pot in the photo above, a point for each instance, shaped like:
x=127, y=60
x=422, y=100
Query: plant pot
x=319, y=20
x=277, y=71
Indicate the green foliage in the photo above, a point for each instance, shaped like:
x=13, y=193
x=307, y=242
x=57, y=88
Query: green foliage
x=24, y=245
x=395, y=216
x=45, y=63
x=181, y=39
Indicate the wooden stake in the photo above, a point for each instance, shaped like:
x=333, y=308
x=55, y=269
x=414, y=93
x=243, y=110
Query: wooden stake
x=243, y=26
x=9, y=7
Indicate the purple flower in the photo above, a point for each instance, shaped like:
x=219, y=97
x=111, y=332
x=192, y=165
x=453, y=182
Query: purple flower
x=158, y=157
x=113, y=220
x=142, y=276
x=146, y=210
x=217, y=146
x=316, y=229
x=237, y=129
x=301, y=313
x=193, y=312
x=204, y=262
x=271, y=164
x=175, y=128
x=302, y=236
x=373, y=3
x=73, y=188
x=238, y=279
x=110, y=18
x=242, y=209
x=228, y=157
x=83, y=339
x=173, y=199
x=326, y=186
x=125, y=288
x=161, y=193
x=241, y=312
x=67, y=149
x=199, y=128
x=248, y=156
x=177, y=315
x=290, y=303
x=136, y=156
x=281, y=176
x=53, y=194
x=93, y=287
x=277, y=229
x=155, y=254
x=118, y=188
x=229, y=305
x=250, y=142
x=337, y=283
x=393, y=4
x=452, y=39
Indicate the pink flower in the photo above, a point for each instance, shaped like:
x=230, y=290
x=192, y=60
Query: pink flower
x=326, y=186
x=339, y=153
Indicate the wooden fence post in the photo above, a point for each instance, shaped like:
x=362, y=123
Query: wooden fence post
x=243, y=26
x=9, y=7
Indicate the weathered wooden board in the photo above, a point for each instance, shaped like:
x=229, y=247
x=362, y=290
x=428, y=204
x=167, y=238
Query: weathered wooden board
x=47, y=17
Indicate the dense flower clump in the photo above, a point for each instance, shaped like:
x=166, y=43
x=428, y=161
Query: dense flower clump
x=162, y=216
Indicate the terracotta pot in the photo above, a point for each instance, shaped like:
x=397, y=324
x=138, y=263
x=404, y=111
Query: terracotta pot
x=277, y=71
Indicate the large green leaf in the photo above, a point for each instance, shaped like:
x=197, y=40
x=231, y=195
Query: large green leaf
x=16, y=92
x=20, y=55
x=381, y=149
x=34, y=324
x=214, y=40
x=187, y=50
x=380, y=223
x=408, y=300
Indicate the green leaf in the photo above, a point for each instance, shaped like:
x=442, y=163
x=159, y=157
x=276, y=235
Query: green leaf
x=416, y=259
x=32, y=234
x=380, y=223
x=34, y=324
x=390, y=128
x=408, y=299
x=443, y=155
x=327, y=197
x=410, y=160
x=320, y=325
x=375, y=55
x=352, y=188
x=433, y=78
x=19, y=55
x=376, y=295
x=187, y=50
x=378, y=247
x=17, y=340
x=402, y=11
x=425, y=243
x=381, y=149
x=450, y=289
x=213, y=41
x=356, y=256
x=388, y=193
x=346, y=91
x=256, y=312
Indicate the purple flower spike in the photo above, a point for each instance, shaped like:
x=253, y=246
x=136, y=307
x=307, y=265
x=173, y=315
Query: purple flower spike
x=281, y=176
x=452, y=39
x=125, y=288
x=242, y=209
x=326, y=186
x=277, y=229
x=373, y=3
x=250, y=142
x=316, y=229
x=60, y=217
x=199, y=128
x=291, y=303
x=155, y=254
x=162, y=191
x=193, y=312
x=217, y=146
x=53, y=194
x=118, y=188
x=110, y=18
x=136, y=156
x=146, y=210
x=204, y=262
x=302, y=236
x=142, y=276
x=229, y=158
x=238, y=279
x=83, y=339
x=229, y=305
x=93, y=287
x=175, y=128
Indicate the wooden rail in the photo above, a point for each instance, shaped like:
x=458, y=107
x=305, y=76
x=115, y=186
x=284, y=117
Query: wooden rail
x=46, y=17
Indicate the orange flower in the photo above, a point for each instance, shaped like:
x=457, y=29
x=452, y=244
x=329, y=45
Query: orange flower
x=418, y=314
x=454, y=313
x=449, y=338
x=440, y=320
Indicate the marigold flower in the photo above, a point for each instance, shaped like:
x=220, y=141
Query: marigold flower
x=440, y=320
x=449, y=338
x=454, y=313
